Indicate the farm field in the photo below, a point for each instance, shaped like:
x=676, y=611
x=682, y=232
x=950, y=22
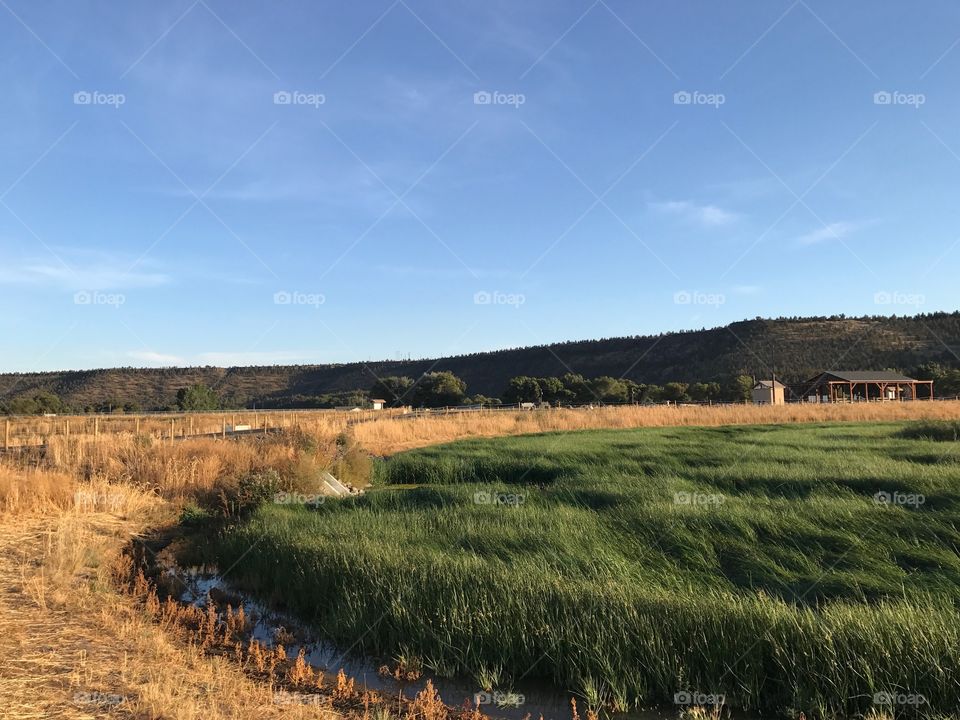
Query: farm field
x=381, y=435
x=82, y=645
x=788, y=568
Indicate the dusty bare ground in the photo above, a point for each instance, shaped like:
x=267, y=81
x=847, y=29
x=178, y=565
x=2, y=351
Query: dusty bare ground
x=73, y=647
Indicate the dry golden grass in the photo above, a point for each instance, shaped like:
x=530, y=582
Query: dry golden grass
x=389, y=435
x=75, y=648
x=172, y=470
x=23, y=488
x=35, y=430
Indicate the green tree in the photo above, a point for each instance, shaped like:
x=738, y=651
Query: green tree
x=394, y=389
x=38, y=403
x=523, y=389
x=635, y=390
x=675, y=392
x=609, y=389
x=948, y=383
x=704, y=392
x=198, y=398
x=553, y=391
x=438, y=389
x=652, y=394
x=740, y=389
x=579, y=390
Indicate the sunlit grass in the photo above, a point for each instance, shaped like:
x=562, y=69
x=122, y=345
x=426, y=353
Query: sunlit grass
x=804, y=567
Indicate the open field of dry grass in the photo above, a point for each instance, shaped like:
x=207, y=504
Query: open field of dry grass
x=74, y=645
x=383, y=436
x=389, y=435
x=18, y=431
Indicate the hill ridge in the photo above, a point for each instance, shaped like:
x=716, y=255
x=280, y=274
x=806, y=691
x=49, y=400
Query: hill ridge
x=796, y=347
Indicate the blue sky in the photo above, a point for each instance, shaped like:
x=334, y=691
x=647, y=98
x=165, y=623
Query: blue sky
x=215, y=182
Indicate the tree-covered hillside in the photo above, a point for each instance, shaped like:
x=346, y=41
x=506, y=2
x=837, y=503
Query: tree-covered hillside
x=796, y=348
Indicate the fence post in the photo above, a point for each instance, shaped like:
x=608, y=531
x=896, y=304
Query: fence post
x=137, y=431
x=171, y=431
x=6, y=435
x=96, y=428
x=224, y=428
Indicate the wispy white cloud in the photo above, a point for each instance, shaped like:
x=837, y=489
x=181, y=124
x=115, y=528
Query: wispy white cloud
x=833, y=231
x=81, y=270
x=155, y=358
x=705, y=215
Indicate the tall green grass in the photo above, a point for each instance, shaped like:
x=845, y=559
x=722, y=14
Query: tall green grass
x=946, y=430
x=756, y=562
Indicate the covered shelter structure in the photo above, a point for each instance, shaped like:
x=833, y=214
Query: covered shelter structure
x=865, y=385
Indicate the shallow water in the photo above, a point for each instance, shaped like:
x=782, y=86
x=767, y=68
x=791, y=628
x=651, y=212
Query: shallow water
x=514, y=703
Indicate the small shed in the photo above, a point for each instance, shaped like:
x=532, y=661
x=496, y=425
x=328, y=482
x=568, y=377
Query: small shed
x=378, y=404
x=769, y=392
